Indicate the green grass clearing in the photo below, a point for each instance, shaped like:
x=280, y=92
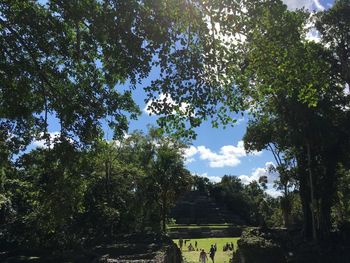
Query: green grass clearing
x=205, y=243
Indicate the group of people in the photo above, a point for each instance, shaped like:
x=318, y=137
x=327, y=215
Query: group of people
x=228, y=247
x=190, y=246
x=203, y=255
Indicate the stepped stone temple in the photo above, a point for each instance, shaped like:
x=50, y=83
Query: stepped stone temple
x=196, y=207
x=211, y=218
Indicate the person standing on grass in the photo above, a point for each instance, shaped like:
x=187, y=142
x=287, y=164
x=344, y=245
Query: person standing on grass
x=180, y=243
x=212, y=253
x=203, y=256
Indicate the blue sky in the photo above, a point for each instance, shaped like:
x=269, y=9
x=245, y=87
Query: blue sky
x=217, y=152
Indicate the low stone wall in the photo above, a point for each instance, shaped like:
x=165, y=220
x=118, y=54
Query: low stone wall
x=172, y=254
x=135, y=248
x=168, y=254
x=140, y=249
x=205, y=232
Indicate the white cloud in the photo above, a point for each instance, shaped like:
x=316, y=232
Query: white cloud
x=318, y=5
x=308, y=4
x=294, y=4
x=246, y=179
x=214, y=179
x=43, y=143
x=257, y=173
x=273, y=192
x=254, y=176
x=346, y=89
x=118, y=143
x=228, y=155
x=313, y=5
x=189, y=153
x=189, y=160
x=313, y=35
x=240, y=120
x=263, y=171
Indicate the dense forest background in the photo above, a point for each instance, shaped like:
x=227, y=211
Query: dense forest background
x=216, y=58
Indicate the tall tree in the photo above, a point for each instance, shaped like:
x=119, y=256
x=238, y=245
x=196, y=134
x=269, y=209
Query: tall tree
x=270, y=133
x=259, y=57
x=68, y=60
x=169, y=175
x=333, y=25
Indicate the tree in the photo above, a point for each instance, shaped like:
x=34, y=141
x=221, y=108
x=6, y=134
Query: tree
x=341, y=208
x=261, y=59
x=170, y=177
x=230, y=191
x=333, y=25
x=64, y=197
x=202, y=184
x=150, y=167
x=47, y=195
x=67, y=59
x=111, y=190
x=290, y=103
x=270, y=134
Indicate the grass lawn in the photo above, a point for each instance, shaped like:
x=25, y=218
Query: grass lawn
x=205, y=243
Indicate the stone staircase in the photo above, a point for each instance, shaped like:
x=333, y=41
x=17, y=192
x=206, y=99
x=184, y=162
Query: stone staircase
x=204, y=232
x=200, y=209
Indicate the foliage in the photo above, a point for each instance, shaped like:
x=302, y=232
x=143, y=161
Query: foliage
x=257, y=246
x=268, y=133
x=341, y=208
x=250, y=202
x=257, y=57
x=290, y=109
x=67, y=59
x=62, y=198
x=170, y=178
x=202, y=184
x=333, y=25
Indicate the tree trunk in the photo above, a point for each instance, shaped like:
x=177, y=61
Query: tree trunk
x=164, y=209
x=328, y=191
x=285, y=206
x=312, y=199
x=304, y=196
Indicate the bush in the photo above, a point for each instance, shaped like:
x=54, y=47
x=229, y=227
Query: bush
x=256, y=246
